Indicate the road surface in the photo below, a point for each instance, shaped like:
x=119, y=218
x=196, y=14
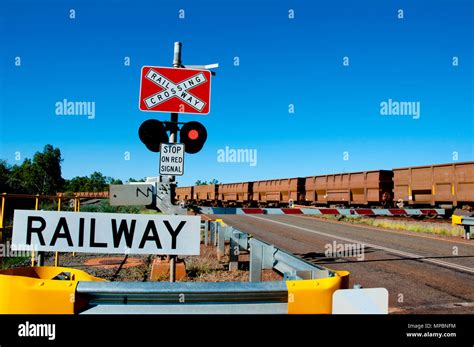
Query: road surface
x=423, y=273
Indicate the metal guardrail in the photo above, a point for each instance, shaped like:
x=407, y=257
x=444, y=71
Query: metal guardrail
x=468, y=224
x=182, y=297
x=161, y=292
x=262, y=255
x=466, y=221
x=469, y=221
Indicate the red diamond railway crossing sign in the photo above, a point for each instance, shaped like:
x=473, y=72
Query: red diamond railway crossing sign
x=175, y=90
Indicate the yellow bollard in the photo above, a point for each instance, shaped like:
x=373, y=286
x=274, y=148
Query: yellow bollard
x=35, y=291
x=315, y=296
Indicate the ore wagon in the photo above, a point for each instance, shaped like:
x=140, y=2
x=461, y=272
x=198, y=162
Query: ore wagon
x=206, y=194
x=235, y=194
x=278, y=192
x=354, y=188
x=184, y=194
x=444, y=185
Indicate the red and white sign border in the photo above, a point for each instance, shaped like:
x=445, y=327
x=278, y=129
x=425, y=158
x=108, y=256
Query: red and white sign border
x=167, y=67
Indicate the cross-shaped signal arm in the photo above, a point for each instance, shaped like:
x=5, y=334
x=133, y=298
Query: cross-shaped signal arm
x=203, y=67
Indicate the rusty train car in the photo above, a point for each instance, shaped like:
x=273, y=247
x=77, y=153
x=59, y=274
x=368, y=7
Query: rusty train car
x=445, y=185
x=351, y=189
x=278, y=192
x=206, y=194
x=442, y=185
x=184, y=193
x=235, y=194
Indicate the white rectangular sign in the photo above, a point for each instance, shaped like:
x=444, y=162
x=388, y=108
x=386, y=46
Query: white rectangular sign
x=172, y=159
x=131, y=194
x=106, y=232
x=360, y=301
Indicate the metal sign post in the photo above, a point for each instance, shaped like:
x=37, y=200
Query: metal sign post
x=176, y=89
x=173, y=139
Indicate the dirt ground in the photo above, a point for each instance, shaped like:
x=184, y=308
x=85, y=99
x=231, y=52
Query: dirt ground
x=203, y=268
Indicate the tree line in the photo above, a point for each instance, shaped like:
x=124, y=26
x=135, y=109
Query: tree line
x=42, y=175
x=203, y=183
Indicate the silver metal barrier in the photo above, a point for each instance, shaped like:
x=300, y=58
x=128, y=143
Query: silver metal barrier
x=263, y=256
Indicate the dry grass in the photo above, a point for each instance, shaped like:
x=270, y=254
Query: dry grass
x=207, y=268
x=421, y=227
x=394, y=224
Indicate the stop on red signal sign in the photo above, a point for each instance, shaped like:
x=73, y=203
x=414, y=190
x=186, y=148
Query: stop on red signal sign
x=164, y=89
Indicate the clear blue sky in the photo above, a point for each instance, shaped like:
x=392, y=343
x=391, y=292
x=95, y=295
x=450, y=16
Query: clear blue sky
x=282, y=61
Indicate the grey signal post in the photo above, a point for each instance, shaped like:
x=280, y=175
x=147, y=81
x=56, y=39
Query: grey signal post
x=165, y=186
x=173, y=139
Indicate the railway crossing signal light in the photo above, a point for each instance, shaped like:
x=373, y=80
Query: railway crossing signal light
x=152, y=133
x=193, y=135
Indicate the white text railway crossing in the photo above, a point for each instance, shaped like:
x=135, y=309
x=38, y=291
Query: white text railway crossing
x=175, y=90
x=179, y=90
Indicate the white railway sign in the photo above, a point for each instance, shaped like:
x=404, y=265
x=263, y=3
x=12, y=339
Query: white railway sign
x=106, y=232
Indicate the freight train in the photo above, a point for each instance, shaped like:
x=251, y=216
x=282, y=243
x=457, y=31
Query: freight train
x=443, y=185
